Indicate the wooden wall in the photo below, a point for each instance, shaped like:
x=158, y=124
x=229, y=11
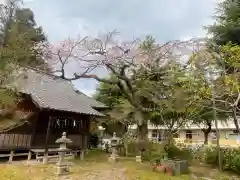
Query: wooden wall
x=15, y=141
x=21, y=137
x=79, y=141
x=78, y=131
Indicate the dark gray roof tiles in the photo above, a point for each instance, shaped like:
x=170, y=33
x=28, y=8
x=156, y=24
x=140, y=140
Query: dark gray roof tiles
x=91, y=101
x=55, y=93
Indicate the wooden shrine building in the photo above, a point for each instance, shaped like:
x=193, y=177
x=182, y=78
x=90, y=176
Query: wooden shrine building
x=53, y=107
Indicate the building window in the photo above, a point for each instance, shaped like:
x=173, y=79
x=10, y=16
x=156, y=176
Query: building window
x=154, y=134
x=188, y=134
x=233, y=135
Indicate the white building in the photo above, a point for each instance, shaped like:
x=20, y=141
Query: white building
x=193, y=132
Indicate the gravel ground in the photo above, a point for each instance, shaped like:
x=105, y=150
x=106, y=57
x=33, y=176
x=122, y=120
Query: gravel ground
x=110, y=174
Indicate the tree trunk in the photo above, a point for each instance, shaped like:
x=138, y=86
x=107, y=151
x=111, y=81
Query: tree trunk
x=217, y=130
x=206, y=137
x=141, y=137
x=235, y=120
x=126, y=149
x=169, y=138
x=142, y=132
x=206, y=132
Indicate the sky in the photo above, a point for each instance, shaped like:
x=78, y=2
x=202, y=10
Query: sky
x=164, y=19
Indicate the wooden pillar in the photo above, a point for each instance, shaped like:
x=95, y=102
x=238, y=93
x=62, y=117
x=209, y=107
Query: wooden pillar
x=11, y=156
x=45, y=158
x=36, y=118
x=87, y=133
x=74, y=154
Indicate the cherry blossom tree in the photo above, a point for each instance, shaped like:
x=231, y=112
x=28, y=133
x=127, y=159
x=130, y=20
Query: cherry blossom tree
x=122, y=59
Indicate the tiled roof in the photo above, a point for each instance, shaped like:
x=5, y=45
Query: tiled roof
x=55, y=93
x=221, y=125
x=91, y=101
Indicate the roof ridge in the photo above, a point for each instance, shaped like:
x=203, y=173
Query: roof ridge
x=78, y=92
x=50, y=75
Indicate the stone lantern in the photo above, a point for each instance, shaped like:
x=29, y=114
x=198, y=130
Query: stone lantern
x=114, y=145
x=62, y=166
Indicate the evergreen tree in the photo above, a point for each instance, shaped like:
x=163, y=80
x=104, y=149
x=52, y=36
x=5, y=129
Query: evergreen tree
x=19, y=48
x=227, y=23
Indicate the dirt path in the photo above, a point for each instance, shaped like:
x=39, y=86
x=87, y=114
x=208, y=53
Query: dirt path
x=110, y=174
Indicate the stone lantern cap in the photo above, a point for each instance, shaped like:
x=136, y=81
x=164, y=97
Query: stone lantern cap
x=64, y=139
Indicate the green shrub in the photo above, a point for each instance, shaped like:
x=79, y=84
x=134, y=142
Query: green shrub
x=230, y=158
x=211, y=156
x=214, y=141
x=132, y=149
x=154, y=152
x=174, y=152
x=151, y=151
x=187, y=141
x=236, y=163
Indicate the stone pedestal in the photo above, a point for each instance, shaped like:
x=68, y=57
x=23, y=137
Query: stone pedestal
x=113, y=157
x=138, y=159
x=61, y=166
x=62, y=169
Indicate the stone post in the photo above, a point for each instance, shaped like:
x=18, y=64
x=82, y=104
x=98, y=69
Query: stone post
x=139, y=159
x=11, y=156
x=82, y=155
x=62, y=165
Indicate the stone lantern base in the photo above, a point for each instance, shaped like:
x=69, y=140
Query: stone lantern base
x=62, y=169
x=112, y=159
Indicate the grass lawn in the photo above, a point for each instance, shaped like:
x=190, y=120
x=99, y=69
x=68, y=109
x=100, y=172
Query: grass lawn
x=94, y=167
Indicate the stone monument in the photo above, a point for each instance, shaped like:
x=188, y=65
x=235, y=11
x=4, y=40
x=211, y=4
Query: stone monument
x=114, y=144
x=62, y=166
